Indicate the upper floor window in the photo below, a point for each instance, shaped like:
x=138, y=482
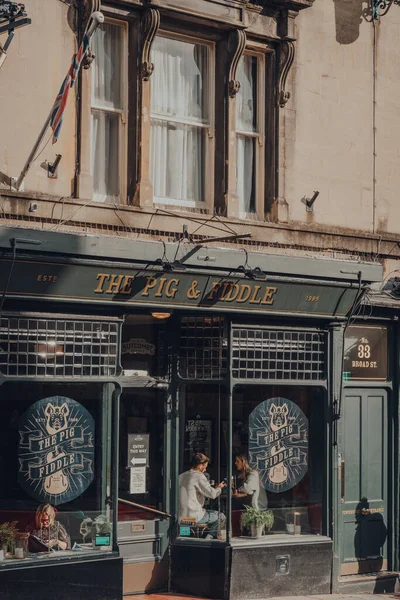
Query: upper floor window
x=187, y=144
x=108, y=109
x=249, y=134
x=181, y=121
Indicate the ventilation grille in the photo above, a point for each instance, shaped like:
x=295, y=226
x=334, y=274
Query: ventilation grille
x=278, y=354
x=52, y=347
x=203, y=348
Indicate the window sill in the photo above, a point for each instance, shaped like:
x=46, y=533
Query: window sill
x=279, y=539
x=183, y=205
x=274, y=539
x=52, y=558
x=192, y=541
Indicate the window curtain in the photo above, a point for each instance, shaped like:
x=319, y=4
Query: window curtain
x=245, y=173
x=106, y=68
x=105, y=164
x=106, y=96
x=246, y=123
x=178, y=108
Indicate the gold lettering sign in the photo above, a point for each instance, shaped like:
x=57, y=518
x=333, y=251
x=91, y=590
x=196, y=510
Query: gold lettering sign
x=165, y=289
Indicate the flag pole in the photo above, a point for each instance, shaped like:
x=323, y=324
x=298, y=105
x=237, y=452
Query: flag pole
x=97, y=18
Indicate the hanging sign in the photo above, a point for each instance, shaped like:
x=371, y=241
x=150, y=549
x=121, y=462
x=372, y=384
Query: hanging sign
x=198, y=437
x=278, y=443
x=138, y=346
x=56, y=450
x=138, y=449
x=365, y=353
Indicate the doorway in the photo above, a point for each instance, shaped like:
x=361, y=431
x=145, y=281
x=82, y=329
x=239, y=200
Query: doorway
x=143, y=520
x=364, y=482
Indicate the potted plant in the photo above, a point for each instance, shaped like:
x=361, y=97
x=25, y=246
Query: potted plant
x=8, y=532
x=256, y=520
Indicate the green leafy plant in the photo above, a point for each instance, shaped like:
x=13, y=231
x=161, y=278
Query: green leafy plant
x=8, y=531
x=102, y=524
x=254, y=516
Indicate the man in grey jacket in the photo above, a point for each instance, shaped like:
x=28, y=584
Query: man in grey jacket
x=194, y=488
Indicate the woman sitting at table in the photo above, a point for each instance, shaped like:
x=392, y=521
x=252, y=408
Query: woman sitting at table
x=46, y=532
x=249, y=485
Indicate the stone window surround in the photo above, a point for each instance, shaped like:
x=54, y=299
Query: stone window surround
x=278, y=49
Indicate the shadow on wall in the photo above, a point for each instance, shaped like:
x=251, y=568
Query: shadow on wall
x=348, y=18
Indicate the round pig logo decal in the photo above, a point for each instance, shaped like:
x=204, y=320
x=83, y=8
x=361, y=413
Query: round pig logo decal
x=56, y=450
x=278, y=443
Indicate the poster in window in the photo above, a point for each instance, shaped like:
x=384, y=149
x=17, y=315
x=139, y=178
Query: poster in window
x=56, y=450
x=278, y=443
x=240, y=439
x=198, y=436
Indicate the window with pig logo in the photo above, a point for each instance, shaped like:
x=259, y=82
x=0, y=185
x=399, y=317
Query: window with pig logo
x=278, y=443
x=56, y=450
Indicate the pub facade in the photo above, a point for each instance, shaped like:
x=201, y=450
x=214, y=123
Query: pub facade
x=116, y=371
x=206, y=261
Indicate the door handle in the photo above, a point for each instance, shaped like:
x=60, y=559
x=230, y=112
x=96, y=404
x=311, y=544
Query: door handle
x=342, y=483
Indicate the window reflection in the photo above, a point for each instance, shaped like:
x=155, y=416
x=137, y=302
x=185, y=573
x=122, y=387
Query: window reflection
x=203, y=482
x=54, y=471
x=278, y=449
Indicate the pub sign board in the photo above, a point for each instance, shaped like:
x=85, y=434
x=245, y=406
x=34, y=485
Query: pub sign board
x=365, y=353
x=117, y=285
x=56, y=450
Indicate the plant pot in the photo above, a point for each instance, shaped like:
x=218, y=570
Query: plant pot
x=290, y=528
x=2, y=555
x=297, y=529
x=256, y=530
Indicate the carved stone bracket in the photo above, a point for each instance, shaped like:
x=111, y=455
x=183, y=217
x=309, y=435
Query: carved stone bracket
x=285, y=64
x=236, y=45
x=150, y=27
x=81, y=13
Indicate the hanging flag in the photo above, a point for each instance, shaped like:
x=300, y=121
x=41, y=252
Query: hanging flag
x=69, y=81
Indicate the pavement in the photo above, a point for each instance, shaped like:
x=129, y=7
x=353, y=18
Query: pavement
x=320, y=597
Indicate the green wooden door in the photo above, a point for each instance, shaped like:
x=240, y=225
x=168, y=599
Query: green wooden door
x=363, y=481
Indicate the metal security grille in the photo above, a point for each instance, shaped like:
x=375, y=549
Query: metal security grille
x=53, y=347
x=278, y=354
x=203, y=348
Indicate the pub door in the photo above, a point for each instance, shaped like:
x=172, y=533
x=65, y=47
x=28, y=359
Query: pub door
x=143, y=520
x=363, y=481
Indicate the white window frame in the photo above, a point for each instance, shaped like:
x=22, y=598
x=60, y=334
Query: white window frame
x=208, y=184
x=258, y=136
x=122, y=112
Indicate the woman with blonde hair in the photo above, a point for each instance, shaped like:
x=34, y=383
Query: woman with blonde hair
x=46, y=530
x=250, y=484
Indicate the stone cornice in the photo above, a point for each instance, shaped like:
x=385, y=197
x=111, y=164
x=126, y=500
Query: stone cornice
x=282, y=4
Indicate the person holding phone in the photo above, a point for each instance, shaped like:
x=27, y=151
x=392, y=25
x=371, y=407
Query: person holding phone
x=194, y=488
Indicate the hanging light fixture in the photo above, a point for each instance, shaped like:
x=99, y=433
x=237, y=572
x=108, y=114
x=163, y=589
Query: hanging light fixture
x=161, y=315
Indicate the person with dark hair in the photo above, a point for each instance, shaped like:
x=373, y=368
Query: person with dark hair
x=194, y=488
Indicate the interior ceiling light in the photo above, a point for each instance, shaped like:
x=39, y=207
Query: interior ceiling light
x=49, y=350
x=160, y=315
